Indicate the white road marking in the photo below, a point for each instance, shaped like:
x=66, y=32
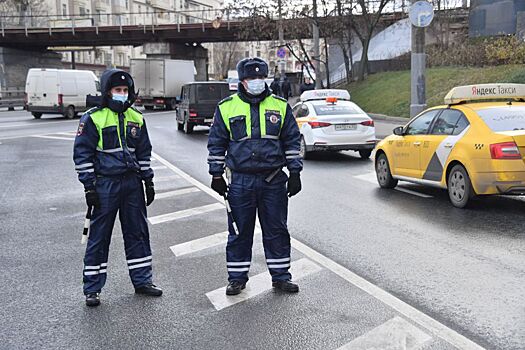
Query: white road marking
x=53, y=137
x=259, y=284
x=37, y=124
x=70, y=133
x=434, y=327
x=395, y=334
x=165, y=178
x=406, y=190
x=200, y=244
x=185, y=213
x=371, y=177
x=180, y=192
x=203, y=243
x=159, y=167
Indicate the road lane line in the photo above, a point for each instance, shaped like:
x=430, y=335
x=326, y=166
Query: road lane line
x=259, y=284
x=185, y=213
x=394, y=334
x=37, y=124
x=159, y=195
x=165, y=178
x=436, y=328
x=371, y=177
x=159, y=167
x=203, y=243
x=53, y=137
x=419, y=194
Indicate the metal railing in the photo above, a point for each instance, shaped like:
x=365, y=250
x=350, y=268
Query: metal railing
x=150, y=18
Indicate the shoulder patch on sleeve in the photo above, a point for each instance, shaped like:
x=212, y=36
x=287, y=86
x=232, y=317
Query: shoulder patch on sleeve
x=280, y=98
x=225, y=100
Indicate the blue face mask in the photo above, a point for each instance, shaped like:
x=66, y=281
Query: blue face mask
x=120, y=98
x=255, y=87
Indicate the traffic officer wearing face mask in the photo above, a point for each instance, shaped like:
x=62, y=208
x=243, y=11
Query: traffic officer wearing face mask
x=255, y=135
x=112, y=156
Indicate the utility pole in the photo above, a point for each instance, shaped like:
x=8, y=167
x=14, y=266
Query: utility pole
x=281, y=39
x=316, y=58
x=73, y=61
x=417, y=66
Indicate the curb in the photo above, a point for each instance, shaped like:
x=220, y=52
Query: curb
x=376, y=116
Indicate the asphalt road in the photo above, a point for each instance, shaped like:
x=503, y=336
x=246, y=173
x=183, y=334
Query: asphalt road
x=399, y=269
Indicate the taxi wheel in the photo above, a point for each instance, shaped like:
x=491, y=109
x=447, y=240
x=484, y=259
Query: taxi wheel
x=384, y=176
x=36, y=115
x=459, y=187
x=303, y=153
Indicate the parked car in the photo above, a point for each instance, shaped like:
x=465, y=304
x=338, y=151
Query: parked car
x=198, y=102
x=59, y=91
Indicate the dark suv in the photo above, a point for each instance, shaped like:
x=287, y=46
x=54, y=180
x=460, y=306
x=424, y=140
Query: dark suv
x=198, y=102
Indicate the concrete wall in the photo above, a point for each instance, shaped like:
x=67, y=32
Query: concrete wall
x=496, y=17
x=14, y=65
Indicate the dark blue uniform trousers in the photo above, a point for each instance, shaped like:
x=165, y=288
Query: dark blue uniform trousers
x=249, y=194
x=123, y=194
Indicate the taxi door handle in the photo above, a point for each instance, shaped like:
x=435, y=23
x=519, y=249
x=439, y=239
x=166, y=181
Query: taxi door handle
x=448, y=145
x=417, y=143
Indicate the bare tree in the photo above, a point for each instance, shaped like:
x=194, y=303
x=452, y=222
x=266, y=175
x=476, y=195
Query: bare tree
x=366, y=17
x=226, y=57
x=21, y=12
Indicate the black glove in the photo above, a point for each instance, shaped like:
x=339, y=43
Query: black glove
x=294, y=184
x=150, y=191
x=219, y=185
x=92, y=198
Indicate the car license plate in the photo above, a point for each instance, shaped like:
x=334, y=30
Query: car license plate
x=339, y=127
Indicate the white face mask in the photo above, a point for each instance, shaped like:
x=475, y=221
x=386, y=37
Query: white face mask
x=256, y=86
x=118, y=97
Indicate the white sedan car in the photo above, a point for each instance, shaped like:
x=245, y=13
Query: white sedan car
x=329, y=121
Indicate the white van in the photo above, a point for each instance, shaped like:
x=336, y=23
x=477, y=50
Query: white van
x=59, y=91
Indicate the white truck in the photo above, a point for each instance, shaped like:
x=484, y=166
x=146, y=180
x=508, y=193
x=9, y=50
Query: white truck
x=159, y=81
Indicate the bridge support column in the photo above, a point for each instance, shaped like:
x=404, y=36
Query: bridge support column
x=15, y=63
x=197, y=54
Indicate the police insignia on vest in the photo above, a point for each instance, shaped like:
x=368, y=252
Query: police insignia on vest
x=80, y=129
x=274, y=119
x=134, y=131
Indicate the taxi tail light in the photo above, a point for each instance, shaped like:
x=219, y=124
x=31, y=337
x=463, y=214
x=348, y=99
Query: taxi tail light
x=60, y=99
x=505, y=150
x=316, y=125
x=368, y=123
x=193, y=113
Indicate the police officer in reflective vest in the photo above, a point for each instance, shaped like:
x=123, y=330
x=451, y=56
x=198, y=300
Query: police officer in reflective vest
x=112, y=155
x=255, y=135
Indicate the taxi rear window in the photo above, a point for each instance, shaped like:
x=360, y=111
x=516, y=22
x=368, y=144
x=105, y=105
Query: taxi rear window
x=507, y=118
x=335, y=109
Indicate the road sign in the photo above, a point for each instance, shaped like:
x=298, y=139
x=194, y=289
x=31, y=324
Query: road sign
x=421, y=14
x=281, y=53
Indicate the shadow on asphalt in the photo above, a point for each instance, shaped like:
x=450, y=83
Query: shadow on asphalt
x=329, y=157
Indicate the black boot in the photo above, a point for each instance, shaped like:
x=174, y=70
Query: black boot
x=235, y=287
x=149, y=289
x=286, y=286
x=93, y=299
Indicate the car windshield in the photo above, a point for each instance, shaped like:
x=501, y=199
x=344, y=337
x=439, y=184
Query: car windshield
x=334, y=109
x=506, y=118
x=212, y=92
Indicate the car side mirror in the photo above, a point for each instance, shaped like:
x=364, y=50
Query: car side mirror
x=399, y=131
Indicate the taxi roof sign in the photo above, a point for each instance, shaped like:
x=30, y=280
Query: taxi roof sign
x=324, y=94
x=480, y=92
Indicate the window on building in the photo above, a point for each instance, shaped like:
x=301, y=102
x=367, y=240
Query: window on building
x=82, y=11
x=258, y=53
x=246, y=53
x=64, y=10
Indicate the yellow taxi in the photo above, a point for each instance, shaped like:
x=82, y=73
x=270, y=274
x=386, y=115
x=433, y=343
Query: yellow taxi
x=473, y=145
